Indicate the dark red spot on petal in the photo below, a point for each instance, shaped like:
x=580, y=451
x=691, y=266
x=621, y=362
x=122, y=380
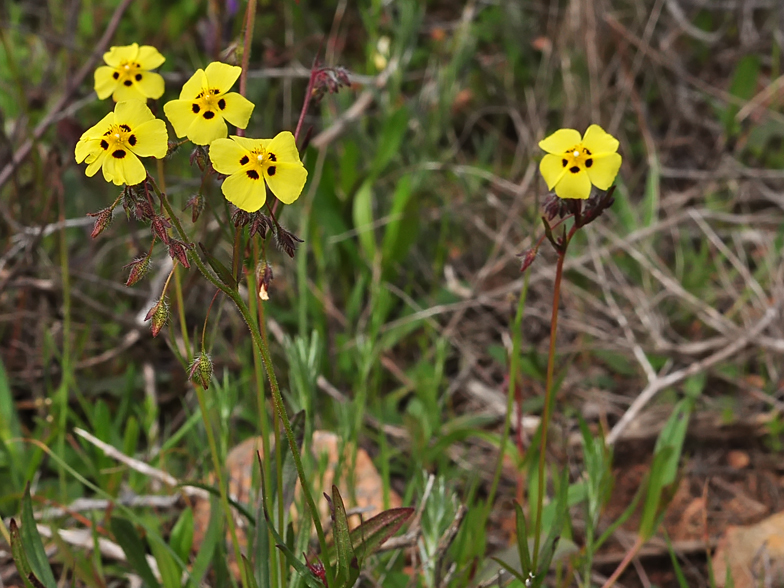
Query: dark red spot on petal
x=221, y=104
x=128, y=83
x=271, y=170
x=564, y=162
x=104, y=144
x=195, y=108
x=116, y=75
x=132, y=140
x=587, y=151
x=125, y=128
x=244, y=160
x=215, y=91
x=588, y=162
x=574, y=169
x=272, y=157
x=252, y=174
x=119, y=154
x=138, y=77
x=208, y=114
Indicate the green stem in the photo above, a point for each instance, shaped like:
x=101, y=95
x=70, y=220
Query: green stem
x=547, y=400
x=261, y=345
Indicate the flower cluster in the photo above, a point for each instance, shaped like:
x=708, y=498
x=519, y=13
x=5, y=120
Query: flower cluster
x=116, y=144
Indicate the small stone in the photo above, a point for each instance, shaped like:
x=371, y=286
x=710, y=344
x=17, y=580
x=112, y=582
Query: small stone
x=738, y=460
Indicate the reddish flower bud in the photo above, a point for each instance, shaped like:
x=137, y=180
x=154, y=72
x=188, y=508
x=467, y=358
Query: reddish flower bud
x=159, y=316
x=179, y=251
x=528, y=258
x=264, y=277
x=103, y=218
x=159, y=227
x=200, y=370
x=317, y=569
x=139, y=267
x=197, y=203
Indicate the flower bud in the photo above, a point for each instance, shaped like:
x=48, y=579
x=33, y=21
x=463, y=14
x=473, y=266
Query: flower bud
x=103, y=218
x=139, y=267
x=159, y=316
x=200, y=371
x=264, y=278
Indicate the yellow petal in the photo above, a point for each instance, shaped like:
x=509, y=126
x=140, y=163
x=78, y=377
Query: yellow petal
x=204, y=131
x=222, y=76
x=193, y=86
x=598, y=141
x=95, y=164
x=84, y=147
x=123, y=93
x=128, y=170
x=284, y=147
x=180, y=115
x=576, y=185
x=286, y=180
x=97, y=130
x=149, y=57
x=132, y=113
x=104, y=82
x=604, y=170
x=238, y=109
x=243, y=192
x=152, y=139
x=226, y=154
x=116, y=55
x=552, y=169
x=560, y=141
x=108, y=168
x=249, y=144
x=151, y=84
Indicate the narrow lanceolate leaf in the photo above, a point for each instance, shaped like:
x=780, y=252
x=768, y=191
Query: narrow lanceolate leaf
x=371, y=534
x=522, y=540
x=33, y=546
x=135, y=550
x=20, y=559
x=348, y=567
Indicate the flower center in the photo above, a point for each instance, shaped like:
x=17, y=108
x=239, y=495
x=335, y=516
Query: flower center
x=118, y=140
x=259, y=163
x=577, y=159
x=208, y=102
x=128, y=73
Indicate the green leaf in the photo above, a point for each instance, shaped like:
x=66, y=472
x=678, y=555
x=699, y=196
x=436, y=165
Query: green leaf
x=168, y=567
x=371, y=534
x=363, y=219
x=347, y=568
x=208, y=544
x=392, y=135
x=182, y=535
x=20, y=559
x=135, y=551
x=248, y=573
x=224, y=274
x=32, y=544
x=522, y=541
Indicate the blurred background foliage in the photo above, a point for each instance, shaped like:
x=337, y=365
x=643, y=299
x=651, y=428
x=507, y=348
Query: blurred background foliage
x=391, y=325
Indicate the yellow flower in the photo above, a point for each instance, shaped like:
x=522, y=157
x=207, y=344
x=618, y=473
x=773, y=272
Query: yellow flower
x=127, y=75
x=250, y=163
x=574, y=163
x=205, y=104
x=116, y=143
